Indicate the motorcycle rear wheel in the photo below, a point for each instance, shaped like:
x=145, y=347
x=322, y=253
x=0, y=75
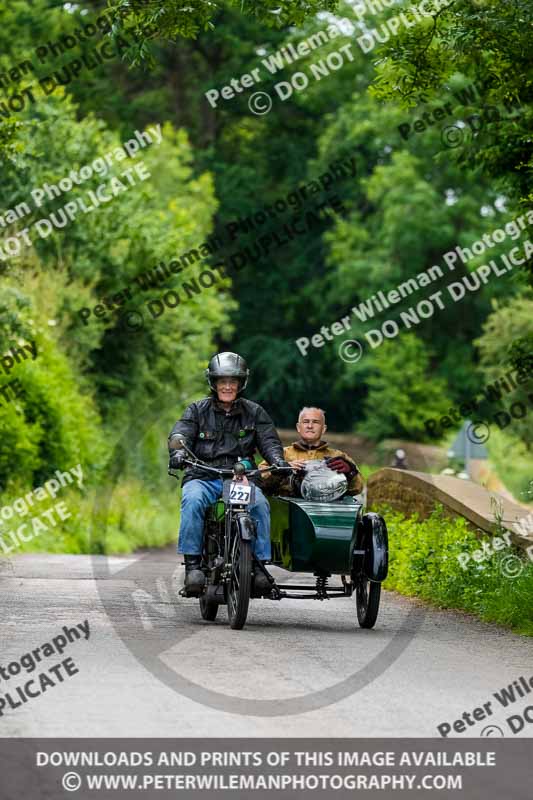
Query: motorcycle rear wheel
x=240, y=583
x=367, y=596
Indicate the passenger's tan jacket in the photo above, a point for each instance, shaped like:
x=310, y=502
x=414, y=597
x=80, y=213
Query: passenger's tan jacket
x=300, y=451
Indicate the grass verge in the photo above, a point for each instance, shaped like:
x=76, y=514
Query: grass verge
x=131, y=518
x=424, y=563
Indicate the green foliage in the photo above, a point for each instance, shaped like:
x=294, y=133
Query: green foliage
x=313, y=280
x=507, y=335
x=53, y=422
x=424, y=562
x=89, y=382
x=409, y=202
x=511, y=458
x=488, y=42
x=401, y=394
x=134, y=519
x=168, y=19
x=19, y=445
x=100, y=254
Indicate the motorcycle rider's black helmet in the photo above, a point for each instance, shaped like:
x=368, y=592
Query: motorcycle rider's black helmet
x=227, y=365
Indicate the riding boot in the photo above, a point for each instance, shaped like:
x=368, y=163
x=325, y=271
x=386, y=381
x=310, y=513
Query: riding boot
x=194, y=576
x=261, y=584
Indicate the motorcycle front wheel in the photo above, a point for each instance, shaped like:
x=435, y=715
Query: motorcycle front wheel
x=240, y=583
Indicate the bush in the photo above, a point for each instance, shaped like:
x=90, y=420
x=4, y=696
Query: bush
x=424, y=562
x=132, y=518
x=52, y=423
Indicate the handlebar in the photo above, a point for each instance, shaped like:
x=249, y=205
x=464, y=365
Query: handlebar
x=227, y=472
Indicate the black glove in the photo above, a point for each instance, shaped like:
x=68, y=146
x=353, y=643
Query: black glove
x=280, y=462
x=177, y=457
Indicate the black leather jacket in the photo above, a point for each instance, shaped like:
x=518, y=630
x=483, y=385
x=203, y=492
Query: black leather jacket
x=221, y=437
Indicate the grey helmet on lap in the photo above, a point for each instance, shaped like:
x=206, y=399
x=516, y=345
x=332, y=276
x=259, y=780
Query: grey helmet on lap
x=227, y=365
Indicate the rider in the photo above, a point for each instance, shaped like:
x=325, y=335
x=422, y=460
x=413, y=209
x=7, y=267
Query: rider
x=311, y=426
x=220, y=430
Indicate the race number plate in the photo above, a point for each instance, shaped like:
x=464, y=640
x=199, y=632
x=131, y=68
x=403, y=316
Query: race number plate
x=239, y=493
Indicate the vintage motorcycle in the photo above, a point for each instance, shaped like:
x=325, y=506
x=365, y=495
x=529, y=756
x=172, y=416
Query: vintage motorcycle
x=323, y=532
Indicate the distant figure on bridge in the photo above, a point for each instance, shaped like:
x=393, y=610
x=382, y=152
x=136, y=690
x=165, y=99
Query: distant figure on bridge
x=400, y=460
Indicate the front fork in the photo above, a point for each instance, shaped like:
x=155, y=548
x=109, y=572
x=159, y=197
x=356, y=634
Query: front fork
x=238, y=522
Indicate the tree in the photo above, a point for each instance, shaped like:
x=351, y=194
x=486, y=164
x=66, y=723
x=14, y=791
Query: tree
x=501, y=350
x=168, y=19
x=98, y=369
x=489, y=43
x=402, y=393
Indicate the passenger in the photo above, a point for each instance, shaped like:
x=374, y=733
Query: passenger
x=311, y=426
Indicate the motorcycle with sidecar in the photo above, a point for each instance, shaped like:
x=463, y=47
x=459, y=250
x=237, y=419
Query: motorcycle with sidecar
x=323, y=532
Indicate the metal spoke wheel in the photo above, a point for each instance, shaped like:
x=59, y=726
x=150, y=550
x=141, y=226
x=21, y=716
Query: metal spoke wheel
x=367, y=595
x=208, y=608
x=240, y=582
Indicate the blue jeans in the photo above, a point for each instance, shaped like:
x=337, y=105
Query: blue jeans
x=196, y=496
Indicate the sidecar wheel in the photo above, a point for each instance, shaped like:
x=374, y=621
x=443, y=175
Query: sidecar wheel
x=367, y=596
x=240, y=583
x=208, y=608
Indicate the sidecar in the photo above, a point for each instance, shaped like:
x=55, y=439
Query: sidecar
x=327, y=539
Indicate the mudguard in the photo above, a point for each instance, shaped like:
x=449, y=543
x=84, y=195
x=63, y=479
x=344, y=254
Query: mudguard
x=246, y=526
x=375, y=542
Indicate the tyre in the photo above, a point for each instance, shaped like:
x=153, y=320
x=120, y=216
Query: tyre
x=208, y=608
x=367, y=595
x=240, y=583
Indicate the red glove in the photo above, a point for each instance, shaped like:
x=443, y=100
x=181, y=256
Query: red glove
x=339, y=464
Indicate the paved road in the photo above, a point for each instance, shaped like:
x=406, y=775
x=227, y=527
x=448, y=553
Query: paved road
x=152, y=667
